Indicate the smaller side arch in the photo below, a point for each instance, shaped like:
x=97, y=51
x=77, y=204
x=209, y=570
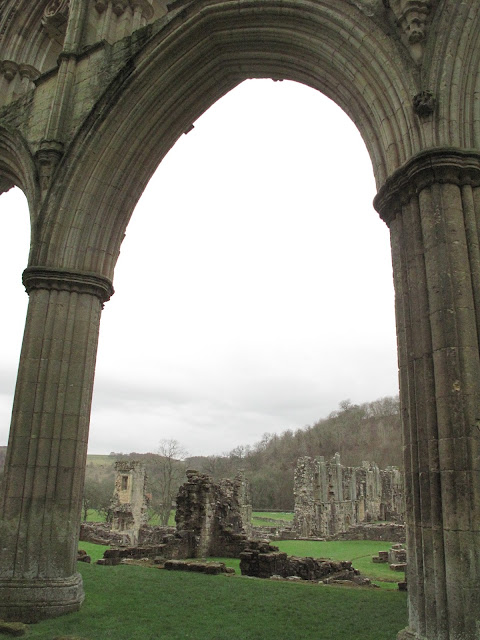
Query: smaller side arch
x=17, y=167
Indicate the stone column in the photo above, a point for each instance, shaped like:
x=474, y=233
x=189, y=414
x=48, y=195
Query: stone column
x=432, y=207
x=44, y=474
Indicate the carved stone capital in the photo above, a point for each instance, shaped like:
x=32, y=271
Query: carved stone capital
x=145, y=7
x=64, y=280
x=9, y=68
x=27, y=71
x=435, y=166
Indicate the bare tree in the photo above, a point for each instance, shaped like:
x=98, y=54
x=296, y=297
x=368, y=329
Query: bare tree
x=168, y=476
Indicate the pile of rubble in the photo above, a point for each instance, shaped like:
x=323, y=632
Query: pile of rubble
x=210, y=568
x=388, y=531
x=263, y=560
x=396, y=557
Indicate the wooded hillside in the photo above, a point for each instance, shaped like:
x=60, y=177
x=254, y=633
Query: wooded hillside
x=370, y=431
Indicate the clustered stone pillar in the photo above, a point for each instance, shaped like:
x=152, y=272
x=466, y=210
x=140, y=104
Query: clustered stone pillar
x=44, y=474
x=432, y=207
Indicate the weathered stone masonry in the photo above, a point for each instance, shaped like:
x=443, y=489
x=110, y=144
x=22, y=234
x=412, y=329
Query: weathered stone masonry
x=330, y=498
x=212, y=519
x=218, y=514
x=129, y=504
x=82, y=130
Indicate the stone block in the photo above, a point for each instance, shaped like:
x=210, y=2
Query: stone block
x=14, y=629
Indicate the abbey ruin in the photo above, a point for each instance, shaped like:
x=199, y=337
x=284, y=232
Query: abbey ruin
x=129, y=502
x=211, y=518
x=330, y=498
x=94, y=93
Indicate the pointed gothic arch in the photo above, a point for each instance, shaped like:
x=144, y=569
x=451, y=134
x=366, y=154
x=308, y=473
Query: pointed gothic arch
x=88, y=134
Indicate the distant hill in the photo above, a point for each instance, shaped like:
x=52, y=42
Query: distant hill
x=370, y=431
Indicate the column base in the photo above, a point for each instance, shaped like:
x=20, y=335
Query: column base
x=24, y=600
x=408, y=634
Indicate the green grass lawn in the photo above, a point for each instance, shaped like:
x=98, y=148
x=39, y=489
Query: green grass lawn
x=360, y=552
x=140, y=603
x=267, y=518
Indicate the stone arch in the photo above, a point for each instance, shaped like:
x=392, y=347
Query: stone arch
x=454, y=79
x=17, y=166
x=184, y=68
x=407, y=73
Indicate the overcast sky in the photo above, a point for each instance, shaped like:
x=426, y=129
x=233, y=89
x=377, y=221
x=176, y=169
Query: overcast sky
x=254, y=287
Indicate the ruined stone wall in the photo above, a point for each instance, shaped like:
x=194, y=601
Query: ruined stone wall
x=129, y=504
x=262, y=560
x=388, y=531
x=305, y=483
x=330, y=498
x=215, y=513
x=99, y=533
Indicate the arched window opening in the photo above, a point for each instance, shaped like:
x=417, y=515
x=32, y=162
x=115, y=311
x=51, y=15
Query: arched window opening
x=254, y=287
x=14, y=248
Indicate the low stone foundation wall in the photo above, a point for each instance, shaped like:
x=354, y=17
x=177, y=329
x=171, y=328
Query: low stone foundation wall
x=210, y=568
x=176, y=546
x=149, y=535
x=172, y=546
x=99, y=533
x=273, y=533
x=262, y=560
x=388, y=532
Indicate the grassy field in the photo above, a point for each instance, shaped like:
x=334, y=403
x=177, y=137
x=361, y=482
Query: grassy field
x=140, y=603
x=269, y=518
x=360, y=552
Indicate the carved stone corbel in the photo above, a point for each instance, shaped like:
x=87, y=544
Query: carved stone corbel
x=119, y=6
x=48, y=156
x=101, y=5
x=424, y=103
x=9, y=69
x=55, y=18
x=412, y=17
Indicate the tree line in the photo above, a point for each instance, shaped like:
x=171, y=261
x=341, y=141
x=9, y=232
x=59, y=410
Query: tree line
x=369, y=431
